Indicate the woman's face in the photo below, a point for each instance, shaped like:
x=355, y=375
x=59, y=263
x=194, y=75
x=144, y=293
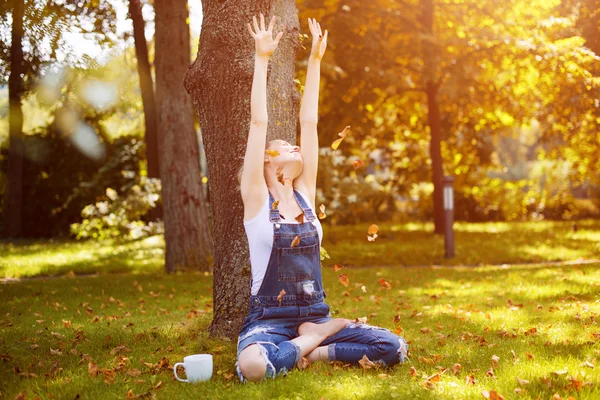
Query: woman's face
x=287, y=153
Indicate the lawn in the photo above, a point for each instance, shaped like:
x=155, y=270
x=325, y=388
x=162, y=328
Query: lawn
x=524, y=332
x=397, y=245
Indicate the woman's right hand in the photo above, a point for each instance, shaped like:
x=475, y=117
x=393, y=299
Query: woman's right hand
x=263, y=38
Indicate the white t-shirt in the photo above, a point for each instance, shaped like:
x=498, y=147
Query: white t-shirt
x=259, y=231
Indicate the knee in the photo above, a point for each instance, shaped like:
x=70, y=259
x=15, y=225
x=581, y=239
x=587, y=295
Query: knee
x=393, y=349
x=251, y=364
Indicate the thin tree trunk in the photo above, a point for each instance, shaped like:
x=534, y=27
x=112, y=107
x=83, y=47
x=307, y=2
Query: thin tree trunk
x=431, y=70
x=146, y=86
x=147, y=89
x=13, y=203
x=187, y=231
x=220, y=82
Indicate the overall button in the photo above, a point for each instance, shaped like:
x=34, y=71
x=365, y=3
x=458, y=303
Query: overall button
x=277, y=226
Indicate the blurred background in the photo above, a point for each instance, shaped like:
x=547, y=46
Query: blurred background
x=514, y=110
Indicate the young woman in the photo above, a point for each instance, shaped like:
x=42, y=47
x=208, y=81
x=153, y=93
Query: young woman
x=288, y=317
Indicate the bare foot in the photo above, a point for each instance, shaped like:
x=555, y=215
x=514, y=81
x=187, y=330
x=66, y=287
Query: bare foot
x=324, y=330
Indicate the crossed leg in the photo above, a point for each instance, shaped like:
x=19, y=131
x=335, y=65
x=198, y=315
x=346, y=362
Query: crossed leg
x=279, y=353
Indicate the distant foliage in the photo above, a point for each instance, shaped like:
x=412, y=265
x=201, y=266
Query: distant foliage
x=121, y=215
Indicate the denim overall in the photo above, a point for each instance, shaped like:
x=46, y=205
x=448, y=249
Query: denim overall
x=272, y=323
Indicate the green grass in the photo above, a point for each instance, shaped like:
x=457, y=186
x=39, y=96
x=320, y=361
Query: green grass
x=406, y=244
x=449, y=315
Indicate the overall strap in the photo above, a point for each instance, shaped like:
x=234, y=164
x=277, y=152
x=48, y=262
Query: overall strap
x=308, y=213
x=274, y=216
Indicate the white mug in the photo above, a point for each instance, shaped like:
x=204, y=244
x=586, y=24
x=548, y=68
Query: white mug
x=198, y=368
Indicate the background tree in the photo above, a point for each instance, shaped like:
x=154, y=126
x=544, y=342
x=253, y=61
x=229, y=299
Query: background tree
x=187, y=232
x=219, y=81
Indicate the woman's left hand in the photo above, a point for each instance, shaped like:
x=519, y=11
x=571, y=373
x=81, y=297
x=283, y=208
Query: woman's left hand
x=319, y=43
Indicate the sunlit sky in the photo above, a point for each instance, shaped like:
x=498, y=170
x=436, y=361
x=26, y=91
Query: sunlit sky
x=80, y=45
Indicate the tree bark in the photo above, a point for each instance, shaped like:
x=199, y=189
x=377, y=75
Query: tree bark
x=187, y=231
x=146, y=87
x=431, y=72
x=13, y=203
x=147, y=90
x=220, y=82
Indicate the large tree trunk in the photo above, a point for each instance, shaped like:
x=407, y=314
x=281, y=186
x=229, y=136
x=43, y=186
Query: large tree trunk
x=187, y=231
x=431, y=71
x=147, y=89
x=220, y=82
x=13, y=203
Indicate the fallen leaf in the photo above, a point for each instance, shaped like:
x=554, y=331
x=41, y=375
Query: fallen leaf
x=398, y=330
x=133, y=372
x=272, y=153
x=338, y=267
x=495, y=360
x=425, y=330
x=55, y=352
x=363, y=288
x=434, y=378
x=412, y=371
x=490, y=372
x=560, y=372
x=366, y=363
x=343, y=278
x=322, y=214
x=67, y=324
x=456, y=368
x=303, y=363
x=529, y=355
x=92, y=369
x=522, y=381
x=587, y=364
x=357, y=164
x=384, y=283
x=425, y=360
x=470, y=380
x=295, y=242
x=372, y=238
x=280, y=295
x=361, y=320
x=228, y=376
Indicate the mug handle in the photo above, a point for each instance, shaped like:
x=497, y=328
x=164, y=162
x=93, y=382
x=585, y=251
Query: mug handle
x=175, y=372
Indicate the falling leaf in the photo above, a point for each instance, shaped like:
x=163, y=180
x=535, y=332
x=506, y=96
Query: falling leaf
x=279, y=174
x=322, y=214
x=92, y=369
x=373, y=229
x=384, y=283
x=342, y=135
x=338, y=267
x=273, y=153
x=357, y=164
x=275, y=204
x=300, y=218
x=280, y=296
x=343, y=278
x=366, y=363
x=303, y=363
x=295, y=242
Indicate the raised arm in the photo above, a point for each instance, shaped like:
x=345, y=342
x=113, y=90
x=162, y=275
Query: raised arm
x=309, y=113
x=253, y=186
